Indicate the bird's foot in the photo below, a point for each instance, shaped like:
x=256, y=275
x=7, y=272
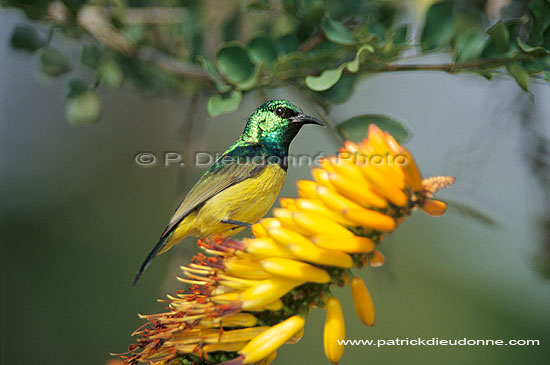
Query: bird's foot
x=237, y=223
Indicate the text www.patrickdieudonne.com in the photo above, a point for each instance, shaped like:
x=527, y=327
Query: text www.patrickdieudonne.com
x=436, y=341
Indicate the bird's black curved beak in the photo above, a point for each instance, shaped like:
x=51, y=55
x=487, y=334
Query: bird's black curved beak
x=301, y=118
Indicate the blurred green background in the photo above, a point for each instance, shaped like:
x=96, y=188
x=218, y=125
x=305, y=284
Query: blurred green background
x=79, y=215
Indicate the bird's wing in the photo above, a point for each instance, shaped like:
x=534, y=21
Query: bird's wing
x=214, y=181
x=218, y=178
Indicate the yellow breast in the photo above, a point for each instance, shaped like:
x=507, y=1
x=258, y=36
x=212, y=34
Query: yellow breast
x=246, y=202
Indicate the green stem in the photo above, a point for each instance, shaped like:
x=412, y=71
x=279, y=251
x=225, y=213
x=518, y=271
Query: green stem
x=446, y=67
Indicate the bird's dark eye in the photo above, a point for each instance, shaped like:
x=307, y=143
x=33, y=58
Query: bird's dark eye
x=283, y=112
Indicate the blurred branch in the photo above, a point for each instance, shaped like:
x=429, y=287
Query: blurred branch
x=175, y=67
x=449, y=67
x=95, y=21
x=312, y=42
x=319, y=37
x=154, y=15
x=230, y=53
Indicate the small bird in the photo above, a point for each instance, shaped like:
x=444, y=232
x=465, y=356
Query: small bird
x=242, y=185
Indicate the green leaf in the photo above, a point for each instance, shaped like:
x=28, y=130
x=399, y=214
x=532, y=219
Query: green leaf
x=540, y=11
x=487, y=74
x=326, y=80
x=341, y=91
x=313, y=10
x=263, y=50
x=72, y=31
x=287, y=63
x=533, y=66
x=25, y=38
x=336, y=32
x=439, y=26
x=471, y=212
x=212, y=72
x=519, y=74
x=290, y=6
x=217, y=104
x=135, y=33
x=111, y=75
x=502, y=39
x=400, y=35
x=233, y=62
x=91, y=55
x=499, y=40
x=232, y=28
x=356, y=128
x=287, y=44
x=252, y=81
x=52, y=62
x=283, y=24
x=76, y=87
x=353, y=66
x=258, y=5
x=469, y=46
x=84, y=109
x=535, y=51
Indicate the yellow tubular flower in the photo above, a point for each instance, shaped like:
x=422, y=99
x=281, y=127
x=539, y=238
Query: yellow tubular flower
x=232, y=320
x=321, y=256
x=267, y=291
x=266, y=247
x=377, y=140
x=412, y=174
x=376, y=259
x=384, y=187
x=287, y=203
x=236, y=283
x=362, y=301
x=370, y=219
x=246, y=298
x=434, y=207
x=354, y=212
x=258, y=230
x=348, y=169
x=274, y=306
x=243, y=334
x=356, y=244
x=270, y=340
x=305, y=250
x=296, y=337
x=356, y=192
x=314, y=224
x=359, y=189
x=285, y=217
x=245, y=267
x=307, y=189
x=322, y=177
x=319, y=208
x=295, y=270
x=235, y=346
x=268, y=360
x=335, y=331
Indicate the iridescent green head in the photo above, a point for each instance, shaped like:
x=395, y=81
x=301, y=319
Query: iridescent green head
x=275, y=124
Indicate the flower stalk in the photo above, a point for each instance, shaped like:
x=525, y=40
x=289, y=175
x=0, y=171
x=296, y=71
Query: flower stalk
x=247, y=298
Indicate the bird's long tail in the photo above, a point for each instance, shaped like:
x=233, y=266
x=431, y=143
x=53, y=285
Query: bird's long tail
x=154, y=252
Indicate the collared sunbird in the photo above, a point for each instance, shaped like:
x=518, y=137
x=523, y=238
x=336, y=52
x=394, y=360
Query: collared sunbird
x=243, y=183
